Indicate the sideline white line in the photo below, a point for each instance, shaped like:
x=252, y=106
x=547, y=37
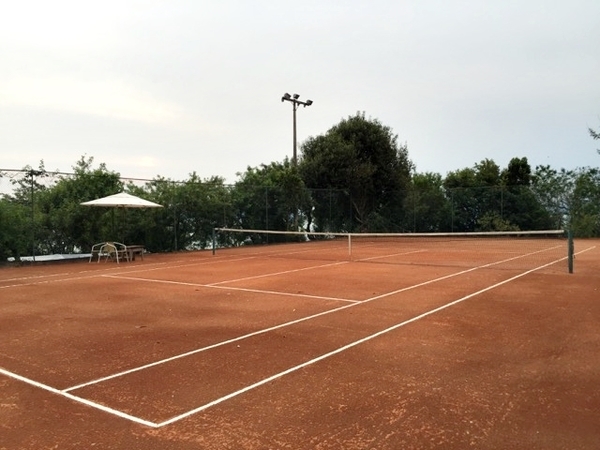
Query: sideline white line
x=78, y=399
x=276, y=327
x=346, y=347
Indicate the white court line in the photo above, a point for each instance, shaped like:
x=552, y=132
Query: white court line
x=86, y=275
x=254, y=277
x=91, y=273
x=389, y=256
x=77, y=399
x=275, y=327
x=66, y=393
x=230, y=288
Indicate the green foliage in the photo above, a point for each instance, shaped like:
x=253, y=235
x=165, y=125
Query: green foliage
x=553, y=189
x=571, y=197
x=585, y=205
x=518, y=173
x=361, y=157
x=271, y=197
x=462, y=189
x=15, y=221
x=486, y=198
x=199, y=206
x=427, y=207
x=191, y=209
x=68, y=226
x=493, y=221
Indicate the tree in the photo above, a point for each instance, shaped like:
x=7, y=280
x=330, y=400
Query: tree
x=518, y=173
x=14, y=219
x=553, y=190
x=461, y=188
x=520, y=207
x=585, y=206
x=572, y=197
x=271, y=197
x=363, y=158
x=201, y=205
x=25, y=199
x=427, y=207
x=486, y=198
x=191, y=210
x=69, y=226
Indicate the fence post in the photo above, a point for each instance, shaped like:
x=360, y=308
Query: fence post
x=571, y=250
x=214, y=240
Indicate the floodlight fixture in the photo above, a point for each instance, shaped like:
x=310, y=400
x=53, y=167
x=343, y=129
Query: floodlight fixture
x=295, y=103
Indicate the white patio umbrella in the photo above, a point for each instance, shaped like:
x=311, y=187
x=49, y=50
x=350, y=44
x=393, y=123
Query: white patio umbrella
x=121, y=200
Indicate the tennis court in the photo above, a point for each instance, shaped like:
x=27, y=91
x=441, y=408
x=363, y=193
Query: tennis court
x=453, y=343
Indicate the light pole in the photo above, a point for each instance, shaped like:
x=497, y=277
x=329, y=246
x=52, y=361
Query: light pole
x=295, y=104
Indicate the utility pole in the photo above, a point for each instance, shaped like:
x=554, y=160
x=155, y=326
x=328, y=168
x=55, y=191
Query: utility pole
x=293, y=99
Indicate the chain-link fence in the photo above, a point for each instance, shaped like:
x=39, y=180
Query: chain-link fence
x=42, y=213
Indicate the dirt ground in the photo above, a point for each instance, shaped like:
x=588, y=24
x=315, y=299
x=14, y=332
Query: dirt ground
x=238, y=351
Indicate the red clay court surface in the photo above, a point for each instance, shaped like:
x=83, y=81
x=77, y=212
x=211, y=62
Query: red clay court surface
x=410, y=346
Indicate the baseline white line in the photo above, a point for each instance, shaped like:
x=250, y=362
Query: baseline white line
x=75, y=398
x=346, y=347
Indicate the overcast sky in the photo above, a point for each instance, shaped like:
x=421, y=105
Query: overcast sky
x=155, y=87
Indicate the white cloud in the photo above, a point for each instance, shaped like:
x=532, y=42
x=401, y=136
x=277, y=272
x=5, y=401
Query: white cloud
x=108, y=98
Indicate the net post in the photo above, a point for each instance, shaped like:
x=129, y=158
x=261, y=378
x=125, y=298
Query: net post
x=571, y=251
x=350, y=246
x=214, y=240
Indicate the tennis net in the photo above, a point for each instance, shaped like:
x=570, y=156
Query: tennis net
x=520, y=248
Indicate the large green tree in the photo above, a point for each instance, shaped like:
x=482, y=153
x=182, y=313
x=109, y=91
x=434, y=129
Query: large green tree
x=520, y=207
x=363, y=158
